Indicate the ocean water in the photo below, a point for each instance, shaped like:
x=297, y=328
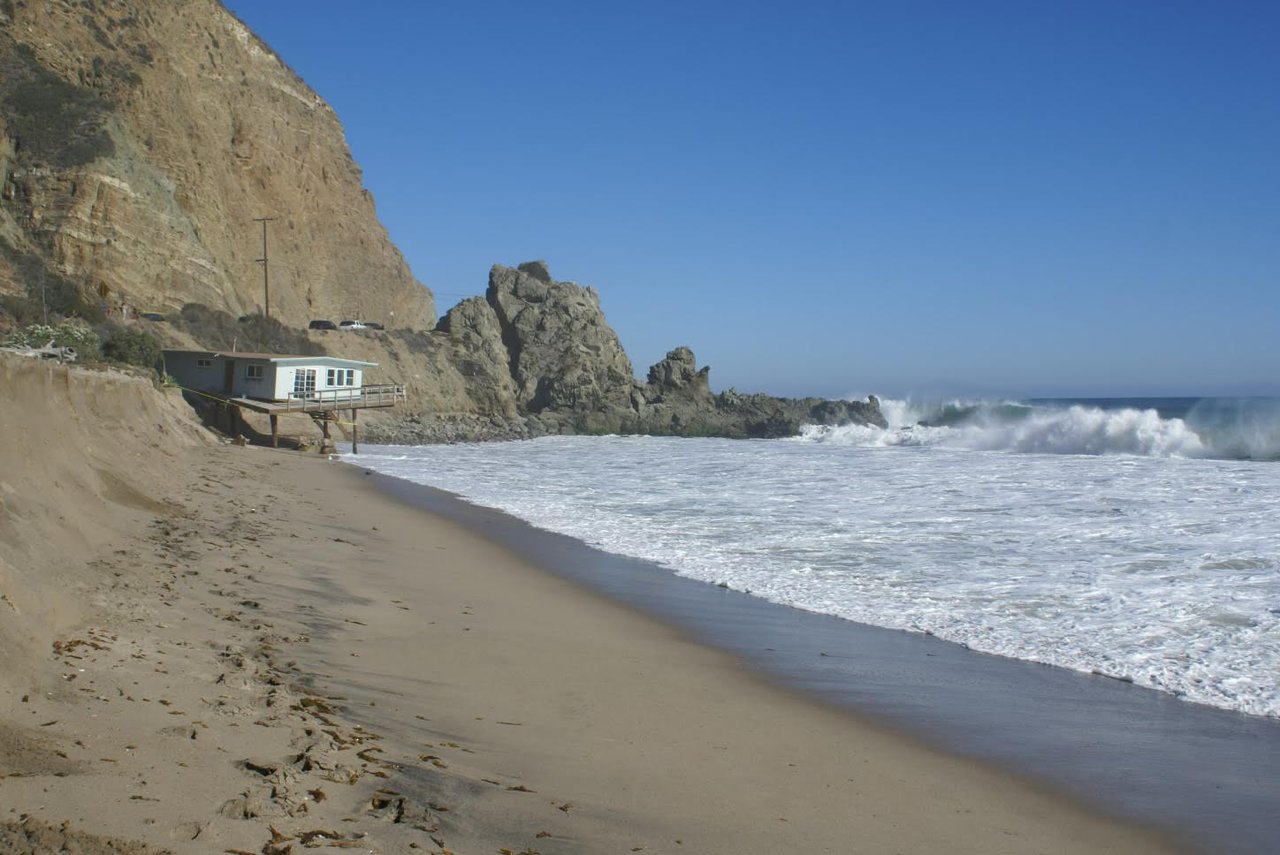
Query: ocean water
x=1132, y=538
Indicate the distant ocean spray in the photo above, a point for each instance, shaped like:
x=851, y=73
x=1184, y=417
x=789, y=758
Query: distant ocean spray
x=1228, y=428
x=1134, y=538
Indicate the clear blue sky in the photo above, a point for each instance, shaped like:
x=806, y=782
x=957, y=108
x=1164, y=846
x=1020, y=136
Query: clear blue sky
x=1023, y=197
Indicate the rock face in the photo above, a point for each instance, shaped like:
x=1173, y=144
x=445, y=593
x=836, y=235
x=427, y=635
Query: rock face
x=678, y=400
x=678, y=376
x=539, y=357
x=138, y=143
x=563, y=357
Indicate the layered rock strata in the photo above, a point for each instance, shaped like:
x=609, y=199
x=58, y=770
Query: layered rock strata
x=139, y=144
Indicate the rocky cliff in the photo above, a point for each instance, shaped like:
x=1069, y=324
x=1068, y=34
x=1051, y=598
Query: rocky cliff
x=139, y=143
x=536, y=356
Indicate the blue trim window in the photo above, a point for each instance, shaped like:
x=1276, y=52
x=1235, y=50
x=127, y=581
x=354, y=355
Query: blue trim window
x=341, y=377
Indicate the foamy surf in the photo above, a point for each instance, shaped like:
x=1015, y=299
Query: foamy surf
x=1120, y=546
x=1235, y=429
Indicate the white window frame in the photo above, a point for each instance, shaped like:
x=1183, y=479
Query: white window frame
x=304, y=383
x=341, y=377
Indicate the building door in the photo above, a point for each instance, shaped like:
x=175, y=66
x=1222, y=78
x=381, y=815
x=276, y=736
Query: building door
x=230, y=378
x=304, y=383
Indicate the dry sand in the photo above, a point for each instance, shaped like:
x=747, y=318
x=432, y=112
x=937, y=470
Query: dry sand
x=210, y=648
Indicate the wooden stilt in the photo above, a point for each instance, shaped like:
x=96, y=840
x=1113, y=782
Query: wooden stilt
x=355, y=433
x=233, y=421
x=275, y=431
x=324, y=425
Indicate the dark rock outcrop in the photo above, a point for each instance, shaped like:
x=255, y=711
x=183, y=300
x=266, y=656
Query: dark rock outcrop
x=479, y=355
x=563, y=357
x=539, y=358
x=678, y=400
x=678, y=376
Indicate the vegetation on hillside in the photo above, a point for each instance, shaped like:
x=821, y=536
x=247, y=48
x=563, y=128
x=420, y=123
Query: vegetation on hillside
x=65, y=334
x=51, y=122
x=49, y=295
x=218, y=330
x=133, y=347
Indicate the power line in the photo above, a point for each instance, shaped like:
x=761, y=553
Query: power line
x=266, y=284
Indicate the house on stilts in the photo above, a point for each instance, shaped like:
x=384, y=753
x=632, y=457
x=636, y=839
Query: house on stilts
x=278, y=384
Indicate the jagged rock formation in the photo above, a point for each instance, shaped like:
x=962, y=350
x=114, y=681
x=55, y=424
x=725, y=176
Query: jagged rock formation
x=138, y=142
x=678, y=376
x=544, y=360
x=564, y=358
x=678, y=400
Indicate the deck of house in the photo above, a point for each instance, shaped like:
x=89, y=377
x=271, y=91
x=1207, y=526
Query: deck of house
x=357, y=398
x=323, y=406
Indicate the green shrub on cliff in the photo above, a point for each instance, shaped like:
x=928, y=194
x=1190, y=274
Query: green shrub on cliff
x=65, y=334
x=133, y=347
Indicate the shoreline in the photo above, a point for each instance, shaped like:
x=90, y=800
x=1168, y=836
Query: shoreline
x=736, y=684
x=292, y=630
x=1132, y=752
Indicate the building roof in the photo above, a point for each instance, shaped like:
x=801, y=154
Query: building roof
x=281, y=358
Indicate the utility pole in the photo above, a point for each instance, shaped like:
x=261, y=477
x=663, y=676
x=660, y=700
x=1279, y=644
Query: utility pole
x=266, y=284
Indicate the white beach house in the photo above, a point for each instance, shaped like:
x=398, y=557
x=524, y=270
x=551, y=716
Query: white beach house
x=266, y=376
x=280, y=385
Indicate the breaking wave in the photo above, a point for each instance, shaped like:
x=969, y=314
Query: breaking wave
x=1227, y=428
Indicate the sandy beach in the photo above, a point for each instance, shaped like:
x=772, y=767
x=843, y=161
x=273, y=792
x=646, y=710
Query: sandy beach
x=212, y=648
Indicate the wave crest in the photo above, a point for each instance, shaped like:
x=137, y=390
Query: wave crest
x=1247, y=429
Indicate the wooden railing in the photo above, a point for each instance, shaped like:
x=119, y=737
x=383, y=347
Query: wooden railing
x=369, y=395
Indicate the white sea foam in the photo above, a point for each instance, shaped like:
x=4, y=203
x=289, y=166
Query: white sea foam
x=1152, y=565
x=1066, y=430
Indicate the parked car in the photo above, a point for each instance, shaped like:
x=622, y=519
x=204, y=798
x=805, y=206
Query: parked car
x=322, y=325
x=353, y=325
